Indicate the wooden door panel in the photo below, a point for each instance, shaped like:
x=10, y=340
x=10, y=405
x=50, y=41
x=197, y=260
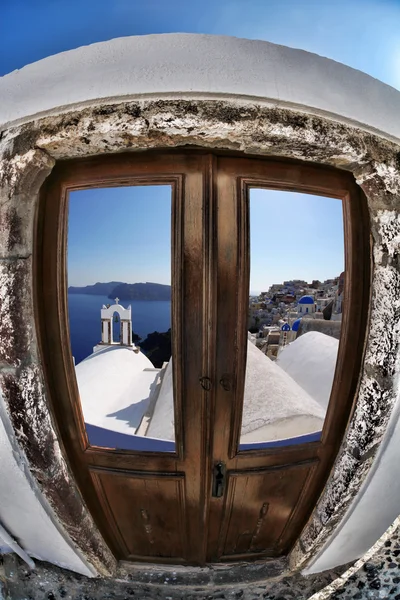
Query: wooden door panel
x=260, y=505
x=136, y=497
x=143, y=506
x=146, y=512
x=271, y=489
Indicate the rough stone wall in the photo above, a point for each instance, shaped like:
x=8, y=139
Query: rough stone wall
x=21, y=378
x=375, y=576
x=28, y=154
x=48, y=582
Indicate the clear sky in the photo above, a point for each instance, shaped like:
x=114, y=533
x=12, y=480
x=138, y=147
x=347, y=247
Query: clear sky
x=364, y=34
x=124, y=234
x=294, y=236
x=120, y=234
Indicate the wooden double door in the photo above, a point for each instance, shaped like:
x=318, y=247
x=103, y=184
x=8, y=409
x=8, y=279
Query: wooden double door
x=208, y=499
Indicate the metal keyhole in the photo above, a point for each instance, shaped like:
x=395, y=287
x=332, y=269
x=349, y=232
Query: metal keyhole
x=218, y=480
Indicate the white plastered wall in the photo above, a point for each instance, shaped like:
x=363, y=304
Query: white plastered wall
x=182, y=65
x=194, y=66
x=373, y=510
x=23, y=510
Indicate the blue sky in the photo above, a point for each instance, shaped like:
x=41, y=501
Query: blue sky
x=294, y=236
x=124, y=234
x=120, y=234
x=364, y=34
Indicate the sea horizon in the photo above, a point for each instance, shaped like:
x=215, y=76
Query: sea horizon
x=85, y=321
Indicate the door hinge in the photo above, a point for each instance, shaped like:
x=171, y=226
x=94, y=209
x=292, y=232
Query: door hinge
x=219, y=479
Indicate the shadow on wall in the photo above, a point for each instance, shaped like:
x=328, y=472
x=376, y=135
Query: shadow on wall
x=132, y=414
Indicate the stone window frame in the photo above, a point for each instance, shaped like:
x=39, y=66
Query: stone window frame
x=29, y=153
x=242, y=173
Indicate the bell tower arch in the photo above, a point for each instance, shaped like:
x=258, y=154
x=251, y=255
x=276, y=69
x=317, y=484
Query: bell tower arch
x=125, y=315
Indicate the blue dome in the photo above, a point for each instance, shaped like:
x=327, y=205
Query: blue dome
x=295, y=326
x=285, y=327
x=306, y=300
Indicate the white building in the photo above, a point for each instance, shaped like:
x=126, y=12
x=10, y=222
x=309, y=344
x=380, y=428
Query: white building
x=306, y=306
x=125, y=318
x=123, y=394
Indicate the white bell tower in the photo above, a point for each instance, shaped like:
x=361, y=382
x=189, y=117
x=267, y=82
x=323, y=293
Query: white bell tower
x=107, y=314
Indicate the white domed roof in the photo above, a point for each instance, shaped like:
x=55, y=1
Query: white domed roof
x=189, y=65
x=311, y=361
x=275, y=406
x=114, y=384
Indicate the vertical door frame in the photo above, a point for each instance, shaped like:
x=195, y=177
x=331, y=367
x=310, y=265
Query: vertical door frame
x=234, y=178
x=216, y=412
x=188, y=175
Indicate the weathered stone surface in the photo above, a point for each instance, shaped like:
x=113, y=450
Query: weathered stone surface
x=253, y=129
x=378, y=388
x=49, y=582
x=375, y=575
x=17, y=336
x=24, y=396
x=21, y=177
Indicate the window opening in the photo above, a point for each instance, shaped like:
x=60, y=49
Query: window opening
x=119, y=299
x=294, y=315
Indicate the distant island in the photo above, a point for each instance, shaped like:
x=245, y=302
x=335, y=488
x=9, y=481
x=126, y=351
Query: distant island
x=97, y=289
x=141, y=291
x=126, y=291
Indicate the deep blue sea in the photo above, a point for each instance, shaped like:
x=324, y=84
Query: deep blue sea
x=85, y=321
